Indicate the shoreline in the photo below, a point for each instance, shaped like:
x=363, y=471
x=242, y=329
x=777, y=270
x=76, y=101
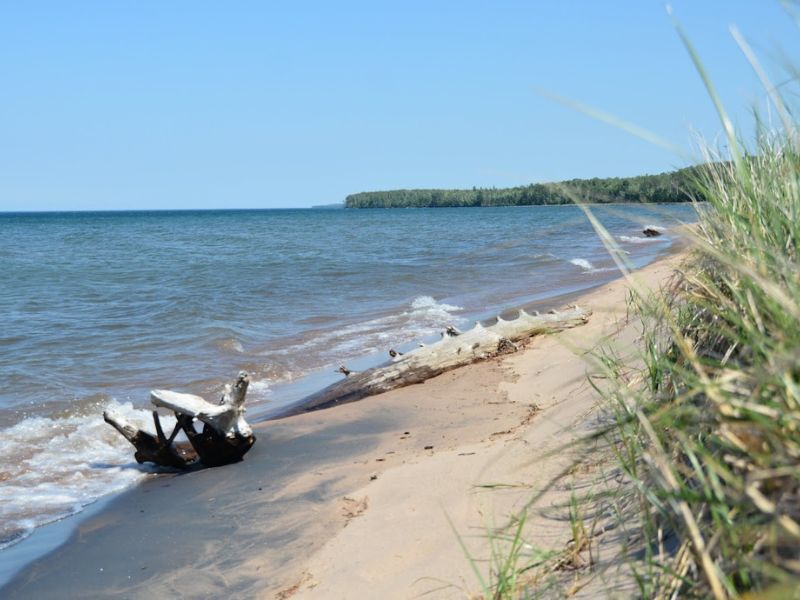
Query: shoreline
x=310, y=384
x=50, y=536
x=305, y=483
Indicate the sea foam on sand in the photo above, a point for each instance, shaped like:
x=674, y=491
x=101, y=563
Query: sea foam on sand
x=52, y=467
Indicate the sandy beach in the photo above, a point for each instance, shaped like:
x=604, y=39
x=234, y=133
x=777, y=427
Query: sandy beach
x=363, y=500
x=382, y=301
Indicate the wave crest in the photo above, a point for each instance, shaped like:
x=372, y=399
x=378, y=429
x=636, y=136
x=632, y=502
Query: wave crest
x=582, y=263
x=51, y=468
x=635, y=239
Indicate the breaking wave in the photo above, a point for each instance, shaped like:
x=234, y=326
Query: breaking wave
x=423, y=316
x=427, y=308
x=588, y=267
x=582, y=263
x=51, y=468
x=635, y=239
x=259, y=389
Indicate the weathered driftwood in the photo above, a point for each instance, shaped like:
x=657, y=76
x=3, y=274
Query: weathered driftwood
x=225, y=437
x=226, y=418
x=152, y=448
x=455, y=349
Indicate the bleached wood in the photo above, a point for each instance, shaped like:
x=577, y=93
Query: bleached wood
x=226, y=418
x=453, y=350
x=151, y=448
x=225, y=438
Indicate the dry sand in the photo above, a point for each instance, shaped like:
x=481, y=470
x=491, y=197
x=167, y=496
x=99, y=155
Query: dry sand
x=364, y=500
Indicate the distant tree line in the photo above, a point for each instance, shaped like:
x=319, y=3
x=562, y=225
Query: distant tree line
x=674, y=186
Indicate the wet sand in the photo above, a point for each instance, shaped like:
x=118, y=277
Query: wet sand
x=356, y=501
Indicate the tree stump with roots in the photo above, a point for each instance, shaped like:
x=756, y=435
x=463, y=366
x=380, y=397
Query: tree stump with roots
x=225, y=438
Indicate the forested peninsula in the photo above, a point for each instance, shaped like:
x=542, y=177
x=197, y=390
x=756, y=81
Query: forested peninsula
x=664, y=187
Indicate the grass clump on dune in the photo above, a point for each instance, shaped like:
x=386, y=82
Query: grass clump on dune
x=711, y=438
x=712, y=441
x=705, y=433
x=707, y=427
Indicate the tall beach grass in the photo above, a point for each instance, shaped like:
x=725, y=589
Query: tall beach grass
x=709, y=431
x=712, y=433
x=705, y=427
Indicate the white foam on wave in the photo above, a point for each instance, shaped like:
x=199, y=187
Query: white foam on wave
x=635, y=239
x=259, y=389
x=424, y=316
x=582, y=263
x=51, y=468
x=427, y=307
x=589, y=267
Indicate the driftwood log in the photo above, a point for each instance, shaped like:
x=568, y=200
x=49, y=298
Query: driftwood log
x=224, y=439
x=455, y=349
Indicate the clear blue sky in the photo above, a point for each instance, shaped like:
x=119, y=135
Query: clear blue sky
x=191, y=104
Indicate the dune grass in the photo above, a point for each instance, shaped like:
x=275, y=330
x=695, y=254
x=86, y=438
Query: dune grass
x=708, y=430
x=713, y=434
x=706, y=427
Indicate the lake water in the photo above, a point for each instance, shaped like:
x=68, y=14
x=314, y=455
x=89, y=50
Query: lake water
x=96, y=309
